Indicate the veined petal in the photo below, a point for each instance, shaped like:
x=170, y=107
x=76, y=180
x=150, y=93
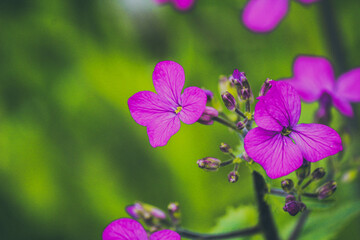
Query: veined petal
x=162, y=128
x=343, y=105
x=169, y=79
x=264, y=15
x=124, y=229
x=165, y=235
x=193, y=104
x=312, y=76
x=183, y=5
x=348, y=86
x=316, y=141
x=277, y=154
x=308, y=1
x=146, y=106
x=279, y=108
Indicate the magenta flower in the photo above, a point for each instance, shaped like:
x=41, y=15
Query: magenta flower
x=129, y=229
x=265, y=15
x=314, y=77
x=161, y=113
x=181, y=5
x=280, y=144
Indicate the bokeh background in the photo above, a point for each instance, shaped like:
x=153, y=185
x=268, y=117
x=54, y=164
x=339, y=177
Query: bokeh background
x=71, y=156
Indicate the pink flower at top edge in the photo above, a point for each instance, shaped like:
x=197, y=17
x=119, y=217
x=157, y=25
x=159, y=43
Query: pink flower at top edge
x=181, y=5
x=280, y=144
x=129, y=229
x=161, y=113
x=314, y=76
x=265, y=15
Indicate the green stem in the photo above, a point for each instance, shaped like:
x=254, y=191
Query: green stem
x=299, y=226
x=224, y=122
x=238, y=233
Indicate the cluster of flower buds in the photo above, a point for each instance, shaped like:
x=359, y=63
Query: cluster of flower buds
x=242, y=85
x=292, y=206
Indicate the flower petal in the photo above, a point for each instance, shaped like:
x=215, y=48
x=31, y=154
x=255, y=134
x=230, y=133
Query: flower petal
x=162, y=128
x=279, y=108
x=124, y=229
x=348, y=86
x=165, y=235
x=146, y=106
x=343, y=105
x=264, y=15
x=183, y=5
x=193, y=104
x=169, y=79
x=308, y=1
x=277, y=154
x=316, y=141
x=312, y=76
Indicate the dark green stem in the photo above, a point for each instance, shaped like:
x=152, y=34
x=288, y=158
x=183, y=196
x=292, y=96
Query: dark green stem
x=222, y=164
x=266, y=221
x=307, y=183
x=226, y=123
x=280, y=192
x=239, y=233
x=299, y=225
x=240, y=113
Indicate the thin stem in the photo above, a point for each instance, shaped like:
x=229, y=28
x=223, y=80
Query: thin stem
x=280, y=192
x=241, y=114
x=224, y=122
x=239, y=233
x=307, y=183
x=266, y=220
x=299, y=226
x=222, y=164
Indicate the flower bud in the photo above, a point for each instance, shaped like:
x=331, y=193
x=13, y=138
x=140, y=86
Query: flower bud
x=209, y=95
x=318, y=173
x=241, y=124
x=304, y=171
x=144, y=211
x=238, y=78
x=209, y=163
x=265, y=87
x=174, y=213
x=290, y=198
x=229, y=100
x=208, y=115
x=245, y=93
x=287, y=185
x=326, y=190
x=293, y=207
x=225, y=148
x=173, y=207
x=233, y=176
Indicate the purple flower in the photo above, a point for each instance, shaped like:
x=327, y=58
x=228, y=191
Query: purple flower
x=161, y=113
x=314, y=79
x=181, y=5
x=129, y=229
x=279, y=144
x=265, y=15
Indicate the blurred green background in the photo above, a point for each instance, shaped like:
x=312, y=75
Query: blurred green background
x=71, y=156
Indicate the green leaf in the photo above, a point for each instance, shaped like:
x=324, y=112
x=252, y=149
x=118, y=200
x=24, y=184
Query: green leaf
x=326, y=224
x=236, y=219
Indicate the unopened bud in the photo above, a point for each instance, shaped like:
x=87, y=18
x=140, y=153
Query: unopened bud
x=290, y=198
x=304, y=170
x=209, y=95
x=209, y=163
x=287, y=185
x=265, y=87
x=144, y=211
x=229, y=100
x=174, y=213
x=208, y=115
x=318, y=173
x=242, y=124
x=233, y=176
x=292, y=208
x=238, y=78
x=225, y=148
x=326, y=190
x=245, y=93
x=173, y=207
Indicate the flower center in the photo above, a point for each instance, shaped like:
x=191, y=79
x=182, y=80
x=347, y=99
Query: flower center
x=286, y=131
x=178, y=109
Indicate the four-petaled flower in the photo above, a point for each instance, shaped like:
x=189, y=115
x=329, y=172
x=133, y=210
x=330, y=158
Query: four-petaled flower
x=265, y=15
x=181, y=5
x=314, y=77
x=161, y=112
x=129, y=229
x=280, y=144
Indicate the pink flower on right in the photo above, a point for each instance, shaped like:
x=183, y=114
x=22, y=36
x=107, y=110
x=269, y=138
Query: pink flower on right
x=279, y=144
x=265, y=15
x=314, y=76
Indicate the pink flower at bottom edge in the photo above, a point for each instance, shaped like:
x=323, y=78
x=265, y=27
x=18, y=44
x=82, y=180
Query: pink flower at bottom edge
x=280, y=144
x=161, y=113
x=314, y=76
x=265, y=15
x=181, y=5
x=129, y=229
